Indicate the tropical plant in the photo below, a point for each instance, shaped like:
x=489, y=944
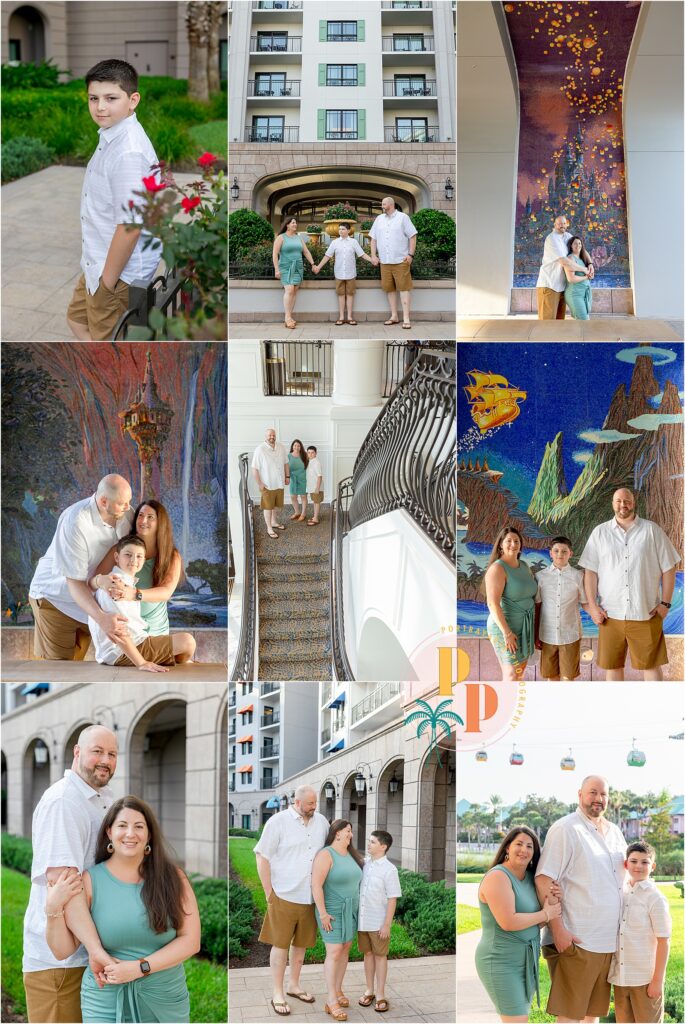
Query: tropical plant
x=434, y=718
x=314, y=228
x=340, y=211
x=27, y=75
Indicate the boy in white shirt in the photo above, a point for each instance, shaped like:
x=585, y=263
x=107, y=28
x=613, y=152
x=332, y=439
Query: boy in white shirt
x=557, y=616
x=378, y=896
x=148, y=653
x=345, y=249
x=638, y=967
x=314, y=483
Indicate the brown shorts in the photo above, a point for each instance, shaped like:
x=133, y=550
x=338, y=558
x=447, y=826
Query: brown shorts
x=288, y=924
x=644, y=639
x=560, y=660
x=396, y=277
x=272, y=499
x=551, y=304
x=632, y=1004
x=158, y=649
x=579, y=982
x=54, y=996
x=316, y=496
x=99, y=312
x=346, y=287
x=371, y=942
x=56, y=636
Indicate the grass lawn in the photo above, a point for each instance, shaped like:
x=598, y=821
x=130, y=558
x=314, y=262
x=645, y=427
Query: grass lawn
x=207, y=982
x=468, y=919
x=211, y=137
x=467, y=876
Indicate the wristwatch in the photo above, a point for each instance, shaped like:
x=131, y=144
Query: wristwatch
x=139, y=595
x=666, y=604
x=144, y=967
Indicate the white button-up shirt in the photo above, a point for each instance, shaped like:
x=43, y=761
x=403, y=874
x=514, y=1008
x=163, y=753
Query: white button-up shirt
x=645, y=917
x=345, y=251
x=66, y=823
x=392, y=234
x=290, y=846
x=551, y=272
x=560, y=592
x=106, y=652
x=588, y=864
x=314, y=471
x=380, y=883
x=629, y=565
x=124, y=156
x=271, y=463
x=81, y=541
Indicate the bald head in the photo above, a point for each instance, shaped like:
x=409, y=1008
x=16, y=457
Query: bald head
x=305, y=801
x=593, y=795
x=95, y=755
x=560, y=224
x=113, y=498
x=111, y=486
x=623, y=504
x=388, y=204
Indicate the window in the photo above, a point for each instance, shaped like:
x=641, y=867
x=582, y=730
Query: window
x=245, y=821
x=247, y=717
x=341, y=74
x=407, y=5
x=266, y=84
x=232, y=752
x=246, y=748
x=267, y=129
x=341, y=32
x=341, y=124
x=411, y=129
x=15, y=49
x=246, y=778
x=273, y=5
x=408, y=41
x=410, y=85
x=245, y=687
x=272, y=41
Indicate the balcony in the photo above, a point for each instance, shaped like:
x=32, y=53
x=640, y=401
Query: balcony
x=231, y=756
x=272, y=134
x=231, y=787
x=274, y=90
x=325, y=736
x=269, y=781
x=429, y=134
x=326, y=693
x=404, y=90
x=232, y=699
x=270, y=751
x=406, y=5
x=278, y=44
x=267, y=721
x=407, y=12
x=378, y=708
x=298, y=368
x=269, y=6
x=399, y=44
x=267, y=688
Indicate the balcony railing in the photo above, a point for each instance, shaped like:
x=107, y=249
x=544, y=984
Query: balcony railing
x=399, y=356
x=339, y=527
x=232, y=700
x=267, y=688
x=231, y=787
x=427, y=88
x=289, y=88
x=266, y=44
x=406, y=5
x=269, y=781
x=276, y=5
x=325, y=736
x=231, y=756
x=381, y=695
x=326, y=693
x=267, y=720
x=272, y=751
x=395, y=44
x=245, y=655
x=272, y=134
x=341, y=81
x=429, y=134
x=298, y=368
x=342, y=135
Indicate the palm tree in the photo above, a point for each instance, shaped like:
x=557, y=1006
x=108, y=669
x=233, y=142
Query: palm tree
x=434, y=718
x=215, y=13
x=496, y=804
x=198, y=23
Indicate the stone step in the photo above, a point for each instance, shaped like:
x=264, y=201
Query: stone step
x=289, y=573
x=318, y=629
x=295, y=590
x=283, y=610
x=295, y=649
x=272, y=669
x=284, y=557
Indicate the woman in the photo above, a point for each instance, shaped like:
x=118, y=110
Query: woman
x=288, y=266
x=578, y=293
x=336, y=878
x=161, y=572
x=510, y=589
x=298, y=461
x=508, y=953
x=146, y=916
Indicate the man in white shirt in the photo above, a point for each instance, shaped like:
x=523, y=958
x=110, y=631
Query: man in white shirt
x=551, y=282
x=393, y=243
x=557, y=613
x=285, y=854
x=271, y=470
x=66, y=823
x=627, y=561
x=314, y=482
x=584, y=853
x=60, y=597
x=344, y=250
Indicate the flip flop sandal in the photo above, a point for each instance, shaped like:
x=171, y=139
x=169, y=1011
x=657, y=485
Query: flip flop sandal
x=339, y=323
x=281, y=1013
x=301, y=996
x=277, y=526
x=382, y=1005
x=352, y=323
x=291, y=325
x=367, y=999
x=388, y=323
x=274, y=536
x=406, y=327
x=313, y=522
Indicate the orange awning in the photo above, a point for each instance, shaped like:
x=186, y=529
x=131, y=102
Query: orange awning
x=245, y=739
x=245, y=768
x=248, y=707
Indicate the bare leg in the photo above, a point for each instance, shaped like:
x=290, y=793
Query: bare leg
x=369, y=973
x=268, y=517
x=652, y=675
x=392, y=299
x=350, y=302
x=296, y=960
x=341, y=307
x=521, y=1019
x=330, y=970
x=295, y=502
x=278, y=958
x=381, y=975
x=342, y=966
x=614, y=675
x=79, y=331
x=303, y=500
x=183, y=646
x=405, y=298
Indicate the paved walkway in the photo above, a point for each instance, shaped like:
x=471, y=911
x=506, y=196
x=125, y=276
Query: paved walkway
x=528, y=328
x=323, y=331
x=473, y=1004
x=41, y=250
x=421, y=989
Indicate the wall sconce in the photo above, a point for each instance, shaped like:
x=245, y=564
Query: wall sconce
x=394, y=783
x=360, y=780
x=235, y=189
x=449, y=190
x=40, y=752
x=329, y=790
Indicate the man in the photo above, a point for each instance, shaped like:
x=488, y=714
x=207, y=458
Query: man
x=285, y=853
x=66, y=823
x=627, y=560
x=60, y=597
x=271, y=470
x=585, y=855
x=551, y=282
x=393, y=243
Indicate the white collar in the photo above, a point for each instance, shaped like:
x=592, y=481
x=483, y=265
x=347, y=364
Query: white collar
x=377, y=860
x=646, y=883
x=617, y=526
x=74, y=779
x=128, y=580
x=115, y=130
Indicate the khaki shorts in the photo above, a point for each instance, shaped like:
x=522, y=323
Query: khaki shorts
x=288, y=924
x=643, y=638
x=346, y=287
x=272, y=499
x=560, y=660
x=99, y=312
x=316, y=496
x=579, y=982
x=396, y=277
x=56, y=636
x=158, y=649
x=371, y=942
x=54, y=996
x=632, y=1004
x=551, y=304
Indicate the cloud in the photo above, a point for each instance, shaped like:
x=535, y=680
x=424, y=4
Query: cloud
x=654, y=420
x=581, y=456
x=657, y=399
x=660, y=356
x=606, y=436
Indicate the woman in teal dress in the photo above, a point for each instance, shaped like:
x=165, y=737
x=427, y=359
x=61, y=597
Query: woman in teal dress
x=298, y=461
x=510, y=589
x=288, y=253
x=578, y=293
x=508, y=953
x=336, y=879
x=146, y=916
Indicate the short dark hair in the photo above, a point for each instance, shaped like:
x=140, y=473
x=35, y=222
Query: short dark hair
x=312, y=448
x=383, y=837
x=131, y=539
x=344, y=224
x=118, y=71
x=641, y=847
x=561, y=540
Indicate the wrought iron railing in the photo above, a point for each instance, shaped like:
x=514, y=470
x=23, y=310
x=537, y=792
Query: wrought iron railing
x=268, y=720
x=400, y=44
x=162, y=293
x=267, y=688
x=243, y=668
x=325, y=736
x=276, y=135
x=272, y=751
x=406, y=5
x=381, y=695
x=339, y=527
x=431, y=133
x=297, y=368
x=276, y=5
x=393, y=88
x=399, y=356
x=269, y=781
x=289, y=88
x=262, y=270
x=276, y=44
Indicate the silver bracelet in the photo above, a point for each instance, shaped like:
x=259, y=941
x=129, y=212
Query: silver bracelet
x=58, y=914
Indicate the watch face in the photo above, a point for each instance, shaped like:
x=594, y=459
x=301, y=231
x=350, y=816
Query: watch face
x=144, y=966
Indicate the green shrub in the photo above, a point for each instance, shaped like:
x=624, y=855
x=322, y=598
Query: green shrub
x=24, y=155
x=246, y=229
x=437, y=230
x=428, y=911
x=241, y=919
x=673, y=998
x=680, y=886
x=181, y=110
x=366, y=225
x=246, y=833
x=670, y=864
x=17, y=853
x=212, y=895
x=31, y=76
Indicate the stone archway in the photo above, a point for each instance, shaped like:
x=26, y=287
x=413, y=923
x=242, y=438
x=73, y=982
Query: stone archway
x=72, y=739
x=354, y=811
x=36, y=778
x=265, y=812
x=437, y=806
x=389, y=806
x=26, y=35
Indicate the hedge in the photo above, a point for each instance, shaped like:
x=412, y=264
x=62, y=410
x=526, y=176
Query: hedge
x=241, y=921
x=17, y=853
x=428, y=910
x=245, y=230
x=245, y=833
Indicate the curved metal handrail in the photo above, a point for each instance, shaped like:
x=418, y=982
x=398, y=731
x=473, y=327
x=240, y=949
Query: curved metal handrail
x=243, y=668
x=341, y=664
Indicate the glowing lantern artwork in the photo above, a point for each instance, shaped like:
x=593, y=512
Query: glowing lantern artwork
x=482, y=755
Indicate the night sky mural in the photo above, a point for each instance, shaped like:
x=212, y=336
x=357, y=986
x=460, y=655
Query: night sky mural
x=571, y=60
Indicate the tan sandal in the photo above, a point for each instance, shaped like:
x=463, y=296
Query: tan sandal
x=313, y=522
x=390, y=322
x=336, y=1014
x=382, y=1006
x=367, y=999
x=281, y=1013
x=343, y=1000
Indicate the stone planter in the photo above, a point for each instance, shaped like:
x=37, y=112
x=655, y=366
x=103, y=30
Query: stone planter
x=331, y=227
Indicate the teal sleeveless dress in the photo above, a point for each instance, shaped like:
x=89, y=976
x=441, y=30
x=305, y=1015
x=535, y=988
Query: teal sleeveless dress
x=298, y=475
x=155, y=613
x=290, y=261
x=578, y=295
x=518, y=605
x=508, y=962
x=341, y=896
x=122, y=923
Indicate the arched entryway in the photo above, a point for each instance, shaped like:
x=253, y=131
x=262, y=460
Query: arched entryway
x=389, y=805
x=36, y=769
x=354, y=811
x=72, y=740
x=268, y=808
x=326, y=804
x=26, y=35
x=437, y=805
x=380, y=654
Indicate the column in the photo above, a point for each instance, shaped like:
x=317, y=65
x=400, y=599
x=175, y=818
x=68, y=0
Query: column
x=238, y=68
x=445, y=63
x=357, y=373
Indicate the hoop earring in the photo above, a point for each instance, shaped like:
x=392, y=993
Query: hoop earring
x=110, y=847
x=506, y=856
x=148, y=850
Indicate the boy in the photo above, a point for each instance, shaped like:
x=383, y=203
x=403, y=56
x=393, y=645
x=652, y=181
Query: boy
x=345, y=249
x=557, y=618
x=638, y=967
x=314, y=483
x=378, y=895
x=148, y=653
x=111, y=256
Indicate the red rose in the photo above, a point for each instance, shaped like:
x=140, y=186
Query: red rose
x=131, y=204
x=190, y=204
x=206, y=159
x=152, y=185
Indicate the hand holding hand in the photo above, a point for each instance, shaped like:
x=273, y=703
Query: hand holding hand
x=597, y=614
x=553, y=908
x=149, y=666
x=316, y=268
x=60, y=892
x=98, y=959
x=118, y=972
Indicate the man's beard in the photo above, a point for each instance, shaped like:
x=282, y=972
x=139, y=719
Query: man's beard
x=92, y=778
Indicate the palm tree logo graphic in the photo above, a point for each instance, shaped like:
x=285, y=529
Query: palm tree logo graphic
x=434, y=718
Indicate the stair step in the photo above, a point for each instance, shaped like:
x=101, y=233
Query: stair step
x=294, y=650
x=282, y=611
x=280, y=671
x=294, y=590
x=268, y=557
x=270, y=629
x=290, y=573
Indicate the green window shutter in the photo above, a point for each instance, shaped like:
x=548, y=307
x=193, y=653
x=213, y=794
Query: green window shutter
x=322, y=74
x=361, y=124
x=361, y=31
x=323, y=31
x=361, y=74
x=321, y=124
